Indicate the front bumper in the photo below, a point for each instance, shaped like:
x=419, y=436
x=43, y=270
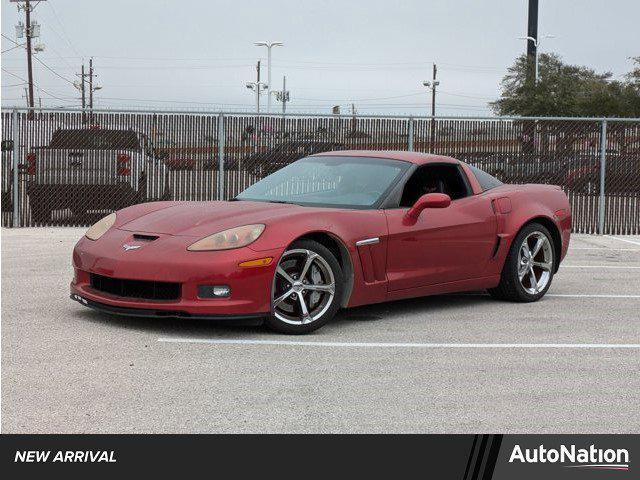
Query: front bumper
x=152, y=313
x=167, y=260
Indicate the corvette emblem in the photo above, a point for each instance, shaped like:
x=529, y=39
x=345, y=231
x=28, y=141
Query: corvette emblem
x=128, y=247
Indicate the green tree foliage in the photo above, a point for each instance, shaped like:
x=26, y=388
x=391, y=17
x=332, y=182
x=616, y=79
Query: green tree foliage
x=567, y=90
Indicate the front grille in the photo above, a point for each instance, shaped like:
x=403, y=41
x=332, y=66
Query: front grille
x=135, y=288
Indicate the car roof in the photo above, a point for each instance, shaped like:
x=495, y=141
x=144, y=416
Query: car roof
x=412, y=157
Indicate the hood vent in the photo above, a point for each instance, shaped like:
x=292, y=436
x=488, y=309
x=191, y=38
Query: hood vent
x=148, y=238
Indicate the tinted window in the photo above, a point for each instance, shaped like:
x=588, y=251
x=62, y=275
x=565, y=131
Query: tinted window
x=98, y=139
x=357, y=182
x=434, y=179
x=486, y=181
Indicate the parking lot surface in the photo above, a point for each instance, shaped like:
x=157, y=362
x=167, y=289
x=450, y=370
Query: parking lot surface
x=454, y=364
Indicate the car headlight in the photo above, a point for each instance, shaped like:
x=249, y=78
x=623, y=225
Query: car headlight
x=227, y=239
x=100, y=228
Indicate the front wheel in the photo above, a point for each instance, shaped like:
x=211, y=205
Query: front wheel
x=529, y=267
x=307, y=288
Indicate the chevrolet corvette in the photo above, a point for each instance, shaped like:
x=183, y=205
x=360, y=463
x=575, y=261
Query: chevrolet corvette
x=329, y=231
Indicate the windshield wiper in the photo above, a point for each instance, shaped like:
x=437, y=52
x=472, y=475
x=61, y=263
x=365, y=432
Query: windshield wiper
x=236, y=199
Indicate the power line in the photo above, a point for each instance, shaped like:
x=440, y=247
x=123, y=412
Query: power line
x=35, y=85
x=13, y=48
x=62, y=28
x=465, y=96
x=41, y=62
x=363, y=99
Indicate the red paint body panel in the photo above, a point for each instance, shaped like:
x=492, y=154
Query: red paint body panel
x=444, y=245
x=461, y=247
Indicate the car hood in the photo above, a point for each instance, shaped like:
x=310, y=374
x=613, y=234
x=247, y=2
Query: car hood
x=199, y=219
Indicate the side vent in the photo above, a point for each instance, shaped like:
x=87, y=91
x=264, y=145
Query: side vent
x=372, y=263
x=497, y=246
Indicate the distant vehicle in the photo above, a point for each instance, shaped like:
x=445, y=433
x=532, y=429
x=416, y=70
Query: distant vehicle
x=267, y=162
x=523, y=169
x=7, y=179
x=622, y=175
x=93, y=169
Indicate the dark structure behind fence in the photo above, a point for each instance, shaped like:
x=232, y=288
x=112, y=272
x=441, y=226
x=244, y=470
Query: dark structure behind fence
x=68, y=167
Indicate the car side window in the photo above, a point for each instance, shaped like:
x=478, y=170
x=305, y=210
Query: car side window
x=446, y=179
x=486, y=181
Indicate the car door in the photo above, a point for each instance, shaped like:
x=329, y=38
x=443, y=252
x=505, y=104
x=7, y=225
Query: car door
x=443, y=245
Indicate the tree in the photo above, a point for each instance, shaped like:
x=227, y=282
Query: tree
x=567, y=90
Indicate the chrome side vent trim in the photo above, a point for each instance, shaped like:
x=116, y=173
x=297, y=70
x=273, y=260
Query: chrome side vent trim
x=367, y=241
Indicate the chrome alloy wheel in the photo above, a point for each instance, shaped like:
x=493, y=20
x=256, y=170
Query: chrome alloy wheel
x=535, y=262
x=303, y=287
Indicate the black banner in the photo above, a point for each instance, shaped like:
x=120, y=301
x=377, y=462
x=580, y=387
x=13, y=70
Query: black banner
x=462, y=457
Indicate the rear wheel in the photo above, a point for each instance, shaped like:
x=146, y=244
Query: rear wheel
x=40, y=211
x=529, y=267
x=307, y=288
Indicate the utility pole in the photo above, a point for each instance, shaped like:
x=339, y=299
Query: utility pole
x=27, y=10
x=29, y=35
x=83, y=86
x=257, y=87
x=529, y=127
x=354, y=125
x=532, y=44
x=82, y=89
x=91, y=85
x=433, y=84
x=283, y=95
x=30, y=30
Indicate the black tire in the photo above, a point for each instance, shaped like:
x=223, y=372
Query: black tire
x=332, y=306
x=78, y=211
x=40, y=212
x=510, y=287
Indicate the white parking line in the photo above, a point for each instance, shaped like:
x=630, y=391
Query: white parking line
x=589, y=296
x=560, y=295
x=302, y=343
x=600, y=266
x=606, y=248
x=623, y=240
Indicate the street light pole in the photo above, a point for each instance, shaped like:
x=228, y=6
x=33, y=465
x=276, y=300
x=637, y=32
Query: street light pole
x=536, y=43
x=269, y=46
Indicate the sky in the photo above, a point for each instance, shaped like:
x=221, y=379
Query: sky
x=199, y=54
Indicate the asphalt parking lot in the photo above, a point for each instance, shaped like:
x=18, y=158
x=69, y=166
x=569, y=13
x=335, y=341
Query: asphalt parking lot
x=454, y=364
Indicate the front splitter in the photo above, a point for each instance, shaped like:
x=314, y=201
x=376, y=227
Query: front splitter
x=154, y=313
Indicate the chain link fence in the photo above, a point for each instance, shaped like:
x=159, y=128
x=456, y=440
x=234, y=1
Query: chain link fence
x=68, y=168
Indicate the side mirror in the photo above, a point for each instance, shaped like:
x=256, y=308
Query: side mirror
x=428, y=200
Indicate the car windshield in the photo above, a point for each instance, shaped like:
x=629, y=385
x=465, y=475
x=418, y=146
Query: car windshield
x=346, y=182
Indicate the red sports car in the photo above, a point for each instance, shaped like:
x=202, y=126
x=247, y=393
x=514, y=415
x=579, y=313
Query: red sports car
x=332, y=230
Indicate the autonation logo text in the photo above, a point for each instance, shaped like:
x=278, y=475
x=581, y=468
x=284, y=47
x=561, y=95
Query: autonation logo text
x=590, y=458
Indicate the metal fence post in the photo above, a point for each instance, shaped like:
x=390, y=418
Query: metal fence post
x=603, y=164
x=16, y=162
x=221, y=139
x=410, y=135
